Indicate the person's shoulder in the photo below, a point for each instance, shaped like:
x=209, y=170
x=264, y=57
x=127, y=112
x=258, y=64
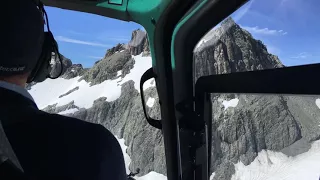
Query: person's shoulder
x=100, y=140
x=95, y=135
x=73, y=124
x=79, y=137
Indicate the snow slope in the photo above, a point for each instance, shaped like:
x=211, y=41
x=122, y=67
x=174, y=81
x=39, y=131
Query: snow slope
x=127, y=159
x=69, y=111
x=212, y=176
x=231, y=103
x=150, y=176
x=318, y=103
x=150, y=102
x=270, y=165
x=48, y=92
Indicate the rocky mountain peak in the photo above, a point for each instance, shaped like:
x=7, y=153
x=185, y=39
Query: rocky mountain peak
x=229, y=22
x=73, y=71
x=117, y=48
x=229, y=48
x=120, y=62
x=139, y=43
x=56, y=68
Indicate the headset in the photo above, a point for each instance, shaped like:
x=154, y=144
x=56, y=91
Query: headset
x=50, y=50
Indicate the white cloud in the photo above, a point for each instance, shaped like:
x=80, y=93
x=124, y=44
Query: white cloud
x=75, y=32
x=302, y=55
x=95, y=57
x=76, y=41
x=119, y=39
x=264, y=31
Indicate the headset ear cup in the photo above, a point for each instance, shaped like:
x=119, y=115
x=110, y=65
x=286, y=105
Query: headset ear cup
x=43, y=68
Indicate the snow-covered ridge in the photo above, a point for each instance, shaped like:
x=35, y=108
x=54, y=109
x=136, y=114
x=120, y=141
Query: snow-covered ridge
x=277, y=166
x=150, y=176
x=48, y=92
x=73, y=110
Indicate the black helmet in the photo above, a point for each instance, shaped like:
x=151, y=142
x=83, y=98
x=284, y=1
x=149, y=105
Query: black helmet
x=22, y=36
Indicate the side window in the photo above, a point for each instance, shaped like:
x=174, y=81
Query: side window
x=257, y=136
x=103, y=61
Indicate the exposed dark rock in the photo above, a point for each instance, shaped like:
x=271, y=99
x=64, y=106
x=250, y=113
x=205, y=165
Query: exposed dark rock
x=139, y=43
x=56, y=69
x=232, y=49
x=127, y=67
x=73, y=71
x=29, y=85
x=69, y=92
x=258, y=122
x=225, y=171
x=117, y=48
x=146, y=48
x=53, y=109
x=107, y=68
x=124, y=118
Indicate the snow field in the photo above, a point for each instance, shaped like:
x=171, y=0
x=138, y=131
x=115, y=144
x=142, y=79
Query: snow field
x=150, y=102
x=231, y=103
x=48, y=92
x=270, y=165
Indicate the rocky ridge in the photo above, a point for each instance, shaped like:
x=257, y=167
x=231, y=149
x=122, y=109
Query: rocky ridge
x=280, y=123
x=139, y=43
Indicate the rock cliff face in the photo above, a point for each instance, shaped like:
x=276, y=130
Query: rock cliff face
x=108, y=67
x=279, y=123
x=232, y=49
x=139, y=43
x=125, y=119
x=73, y=71
x=117, y=48
x=56, y=69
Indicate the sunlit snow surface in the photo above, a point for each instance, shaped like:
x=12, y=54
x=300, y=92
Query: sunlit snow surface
x=150, y=102
x=277, y=166
x=231, y=103
x=119, y=73
x=150, y=176
x=69, y=111
x=48, y=92
x=127, y=159
x=212, y=176
x=318, y=103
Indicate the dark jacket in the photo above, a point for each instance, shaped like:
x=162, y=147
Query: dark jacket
x=50, y=146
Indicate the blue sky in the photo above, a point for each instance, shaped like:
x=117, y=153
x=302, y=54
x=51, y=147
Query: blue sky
x=289, y=28
x=83, y=37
